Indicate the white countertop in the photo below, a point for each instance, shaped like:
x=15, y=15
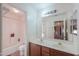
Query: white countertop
x=58, y=45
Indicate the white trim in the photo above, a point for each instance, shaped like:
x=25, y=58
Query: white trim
x=10, y=50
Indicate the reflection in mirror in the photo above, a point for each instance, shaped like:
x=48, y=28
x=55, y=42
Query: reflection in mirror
x=59, y=30
x=73, y=23
x=73, y=26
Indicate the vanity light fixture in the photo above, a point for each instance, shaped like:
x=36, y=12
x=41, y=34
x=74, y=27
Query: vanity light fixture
x=48, y=12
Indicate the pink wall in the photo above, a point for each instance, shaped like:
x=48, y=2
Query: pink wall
x=13, y=23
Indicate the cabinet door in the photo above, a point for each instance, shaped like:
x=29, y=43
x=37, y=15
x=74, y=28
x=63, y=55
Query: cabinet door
x=45, y=51
x=34, y=49
x=59, y=53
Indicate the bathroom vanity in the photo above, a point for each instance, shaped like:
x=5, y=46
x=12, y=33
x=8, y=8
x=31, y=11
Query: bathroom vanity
x=38, y=50
x=59, y=36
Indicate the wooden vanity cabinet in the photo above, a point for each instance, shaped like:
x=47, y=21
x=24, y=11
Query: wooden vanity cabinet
x=45, y=51
x=37, y=50
x=34, y=49
x=54, y=52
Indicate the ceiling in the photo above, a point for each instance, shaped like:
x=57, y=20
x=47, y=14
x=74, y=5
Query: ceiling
x=44, y=7
x=36, y=6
